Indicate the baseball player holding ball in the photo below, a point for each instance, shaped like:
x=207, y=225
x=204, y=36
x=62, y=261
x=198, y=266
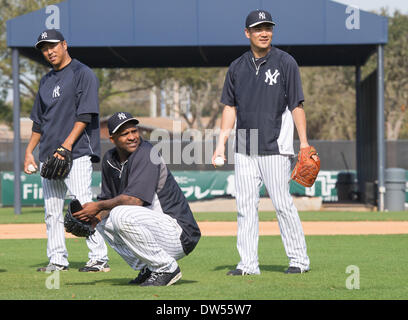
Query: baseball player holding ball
x=143, y=213
x=66, y=126
x=263, y=95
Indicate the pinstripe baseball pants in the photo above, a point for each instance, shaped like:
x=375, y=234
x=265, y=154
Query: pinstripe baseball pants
x=274, y=171
x=78, y=184
x=143, y=237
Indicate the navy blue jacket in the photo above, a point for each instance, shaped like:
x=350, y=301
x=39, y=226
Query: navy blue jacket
x=264, y=92
x=153, y=183
x=63, y=96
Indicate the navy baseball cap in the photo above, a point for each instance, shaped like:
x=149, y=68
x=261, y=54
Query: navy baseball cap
x=118, y=119
x=49, y=35
x=257, y=17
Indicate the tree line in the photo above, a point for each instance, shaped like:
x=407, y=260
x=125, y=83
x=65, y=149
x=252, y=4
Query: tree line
x=329, y=91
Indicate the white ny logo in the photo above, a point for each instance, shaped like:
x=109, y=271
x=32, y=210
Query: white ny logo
x=44, y=35
x=122, y=116
x=262, y=15
x=271, y=77
x=56, y=92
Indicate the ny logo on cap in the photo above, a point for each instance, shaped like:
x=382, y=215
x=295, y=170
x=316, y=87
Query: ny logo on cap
x=262, y=15
x=122, y=116
x=44, y=35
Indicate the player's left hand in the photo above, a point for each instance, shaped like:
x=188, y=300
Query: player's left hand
x=306, y=145
x=61, y=157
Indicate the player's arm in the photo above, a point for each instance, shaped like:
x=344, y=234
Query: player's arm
x=75, y=133
x=299, y=118
x=92, y=209
x=29, y=157
x=229, y=115
x=35, y=116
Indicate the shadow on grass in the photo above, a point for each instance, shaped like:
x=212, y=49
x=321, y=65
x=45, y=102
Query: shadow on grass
x=119, y=282
x=271, y=268
x=72, y=265
x=3, y=270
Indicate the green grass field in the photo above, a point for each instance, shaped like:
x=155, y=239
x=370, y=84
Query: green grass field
x=381, y=260
x=383, y=272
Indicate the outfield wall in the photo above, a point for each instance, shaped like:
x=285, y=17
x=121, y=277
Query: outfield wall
x=196, y=185
x=334, y=155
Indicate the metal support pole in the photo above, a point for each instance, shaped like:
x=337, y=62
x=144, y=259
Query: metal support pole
x=153, y=102
x=358, y=130
x=380, y=127
x=16, y=128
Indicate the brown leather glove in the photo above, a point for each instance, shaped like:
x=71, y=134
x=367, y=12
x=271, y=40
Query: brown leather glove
x=307, y=167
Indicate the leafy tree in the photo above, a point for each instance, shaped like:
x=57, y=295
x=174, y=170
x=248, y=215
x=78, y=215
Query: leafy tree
x=30, y=72
x=395, y=76
x=329, y=102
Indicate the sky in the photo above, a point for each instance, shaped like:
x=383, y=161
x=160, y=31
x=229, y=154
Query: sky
x=376, y=5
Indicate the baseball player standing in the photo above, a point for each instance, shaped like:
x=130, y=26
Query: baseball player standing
x=145, y=216
x=66, y=113
x=263, y=94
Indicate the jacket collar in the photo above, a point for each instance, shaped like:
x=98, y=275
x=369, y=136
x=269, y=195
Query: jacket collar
x=251, y=54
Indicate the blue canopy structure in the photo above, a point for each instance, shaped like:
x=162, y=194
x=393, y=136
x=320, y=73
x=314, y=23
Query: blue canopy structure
x=202, y=33
x=162, y=33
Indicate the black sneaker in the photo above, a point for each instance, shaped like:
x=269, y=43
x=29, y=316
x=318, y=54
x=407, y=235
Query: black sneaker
x=53, y=267
x=291, y=270
x=144, y=274
x=162, y=278
x=95, y=266
x=237, y=272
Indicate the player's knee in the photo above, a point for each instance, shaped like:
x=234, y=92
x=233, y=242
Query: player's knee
x=120, y=217
x=53, y=216
x=116, y=214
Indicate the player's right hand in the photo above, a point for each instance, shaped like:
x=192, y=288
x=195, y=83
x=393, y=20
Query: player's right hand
x=219, y=152
x=29, y=160
x=88, y=212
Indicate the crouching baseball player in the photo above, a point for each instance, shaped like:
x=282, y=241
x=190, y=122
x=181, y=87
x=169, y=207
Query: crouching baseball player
x=142, y=212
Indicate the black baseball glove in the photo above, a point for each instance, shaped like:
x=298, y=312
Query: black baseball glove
x=56, y=169
x=75, y=226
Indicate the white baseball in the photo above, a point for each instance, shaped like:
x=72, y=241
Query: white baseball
x=31, y=168
x=219, y=161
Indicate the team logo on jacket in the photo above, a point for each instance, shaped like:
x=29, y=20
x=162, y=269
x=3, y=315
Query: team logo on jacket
x=56, y=92
x=272, y=78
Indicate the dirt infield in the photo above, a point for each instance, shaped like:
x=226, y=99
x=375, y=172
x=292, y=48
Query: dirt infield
x=38, y=231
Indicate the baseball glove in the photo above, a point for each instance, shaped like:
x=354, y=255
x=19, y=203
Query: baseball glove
x=56, y=169
x=307, y=168
x=75, y=226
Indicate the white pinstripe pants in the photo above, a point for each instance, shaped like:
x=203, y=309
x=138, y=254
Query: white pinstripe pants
x=143, y=237
x=78, y=183
x=274, y=171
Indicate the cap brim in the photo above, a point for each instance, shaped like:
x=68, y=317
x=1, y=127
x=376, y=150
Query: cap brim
x=119, y=125
x=260, y=22
x=39, y=42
